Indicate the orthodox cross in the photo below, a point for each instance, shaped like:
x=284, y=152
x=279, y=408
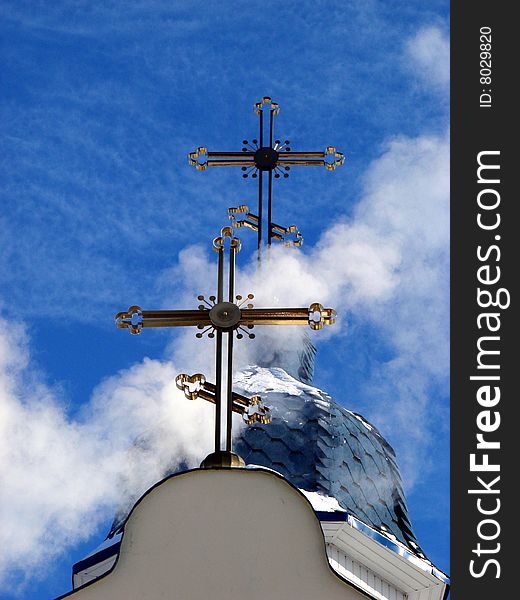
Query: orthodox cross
x=257, y=158
x=218, y=317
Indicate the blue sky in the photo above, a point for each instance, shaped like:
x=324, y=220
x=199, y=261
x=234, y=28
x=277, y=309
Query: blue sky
x=99, y=108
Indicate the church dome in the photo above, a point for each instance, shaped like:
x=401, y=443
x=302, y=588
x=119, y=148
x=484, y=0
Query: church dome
x=319, y=446
x=315, y=443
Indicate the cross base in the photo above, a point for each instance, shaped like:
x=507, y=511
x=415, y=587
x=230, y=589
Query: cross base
x=222, y=458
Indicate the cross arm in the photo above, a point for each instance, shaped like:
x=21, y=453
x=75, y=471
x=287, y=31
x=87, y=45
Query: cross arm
x=195, y=386
x=250, y=220
x=227, y=163
x=230, y=159
x=315, y=316
x=253, y=224
x=304, y=162
x=279, y=233
x=135, y=319
x=230, y=154
x=201, y=159
x=330, y=159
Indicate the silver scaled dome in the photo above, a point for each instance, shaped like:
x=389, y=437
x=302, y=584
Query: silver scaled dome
x=319, y=446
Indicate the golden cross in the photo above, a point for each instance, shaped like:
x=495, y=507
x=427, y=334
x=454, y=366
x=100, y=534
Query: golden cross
x=258, y=158
x=224, y=316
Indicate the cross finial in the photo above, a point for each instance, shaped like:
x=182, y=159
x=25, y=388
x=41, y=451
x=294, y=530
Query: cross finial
x=269, y=156
x=225, y=315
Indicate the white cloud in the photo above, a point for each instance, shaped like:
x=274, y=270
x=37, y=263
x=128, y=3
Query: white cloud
x=428, y=55
x=60, y=477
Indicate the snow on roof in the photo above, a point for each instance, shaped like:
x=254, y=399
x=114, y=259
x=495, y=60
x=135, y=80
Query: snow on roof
x=321, y=503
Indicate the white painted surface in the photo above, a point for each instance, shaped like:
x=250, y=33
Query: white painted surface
x=378, y=570
x=362, y=576
x=93, y=572
x=224, y=535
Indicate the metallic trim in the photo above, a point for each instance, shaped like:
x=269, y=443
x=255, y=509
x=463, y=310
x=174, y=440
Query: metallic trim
x=381, y=538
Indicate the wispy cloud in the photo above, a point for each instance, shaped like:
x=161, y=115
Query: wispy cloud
x=427, y=54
